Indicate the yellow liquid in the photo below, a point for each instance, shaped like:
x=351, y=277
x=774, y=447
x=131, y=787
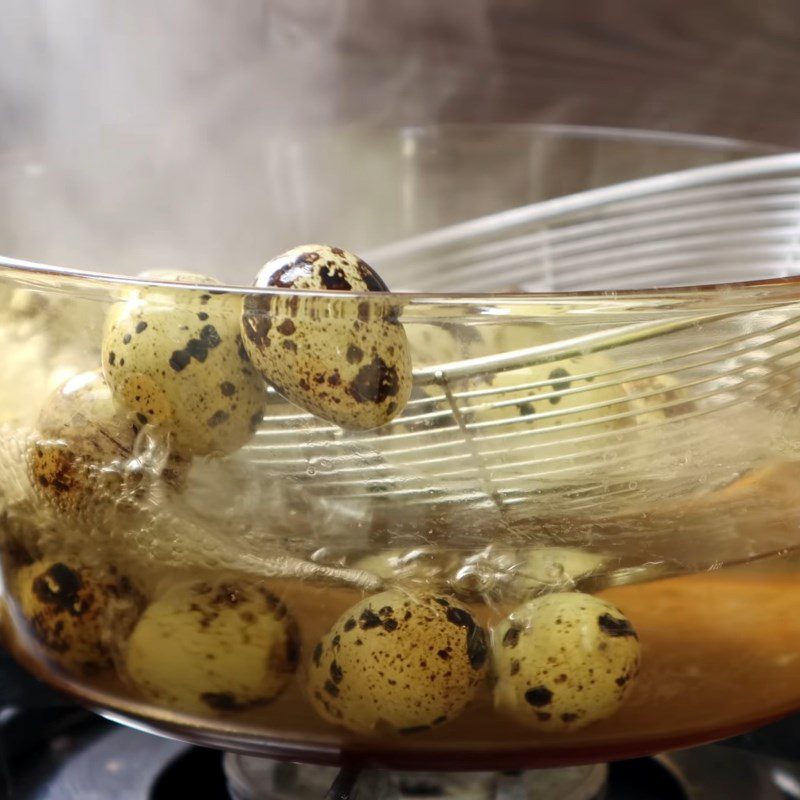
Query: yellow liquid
x=720, y=654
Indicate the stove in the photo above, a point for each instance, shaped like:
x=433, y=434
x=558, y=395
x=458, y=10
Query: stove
x=54, y=750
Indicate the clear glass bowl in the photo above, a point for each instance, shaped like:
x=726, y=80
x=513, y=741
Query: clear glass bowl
x=637, y=445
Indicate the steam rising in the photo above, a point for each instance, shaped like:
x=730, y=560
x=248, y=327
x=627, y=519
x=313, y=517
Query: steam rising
x=193, y=134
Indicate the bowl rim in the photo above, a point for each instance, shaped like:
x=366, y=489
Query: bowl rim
x=542, y=211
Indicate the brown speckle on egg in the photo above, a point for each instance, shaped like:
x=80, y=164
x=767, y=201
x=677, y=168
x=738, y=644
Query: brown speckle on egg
x=511, y=637
x=374, y=382
x=329, y=336
x=379, y=685
x=253, y=640
x=574, y=654
x=354, y=354
x=84, y=447
x=615, y=626
x=186, y=351
x=179, y=360
x=71, y=609
x=538, y=696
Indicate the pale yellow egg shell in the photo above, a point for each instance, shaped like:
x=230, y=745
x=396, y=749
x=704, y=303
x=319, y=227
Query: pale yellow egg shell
x=658, y=399
x=73, y=611
x=176, y=359
x=345, y=360
x=213, y=647
x=82, y=455
x=398, y=663
x=564, y=661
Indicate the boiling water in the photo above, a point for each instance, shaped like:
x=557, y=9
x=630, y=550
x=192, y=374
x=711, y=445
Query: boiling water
x=689, y=528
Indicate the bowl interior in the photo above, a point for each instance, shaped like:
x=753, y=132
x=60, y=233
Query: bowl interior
x=108, y=208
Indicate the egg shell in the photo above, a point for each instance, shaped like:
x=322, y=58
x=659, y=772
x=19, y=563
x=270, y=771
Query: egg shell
x=83, y=454
x=658, y=399
x=74, y=611
x=398, y=663
x=175, y=358
x=564, y=661
x=560, y=397
x=345, y=360
x=439, y=343
x=213, y=646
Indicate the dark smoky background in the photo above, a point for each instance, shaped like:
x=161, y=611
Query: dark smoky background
x=203, y=135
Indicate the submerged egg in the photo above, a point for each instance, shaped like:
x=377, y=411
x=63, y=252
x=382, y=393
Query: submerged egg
x=564, y=394
x=73, y=611
x=564, y=661
x=659, y=398
x=216, y=646
x=343, y=359
x=174, y=358
x=397, y=662
x=578, y=396
x=84, y=452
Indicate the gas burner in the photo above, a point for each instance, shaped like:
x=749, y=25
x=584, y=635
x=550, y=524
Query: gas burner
x=707, y=773
x=259, y=779
x=101, y=760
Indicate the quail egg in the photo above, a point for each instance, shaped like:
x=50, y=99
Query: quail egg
x=438, y=343
x=559, y=393
x=84, y=453
x=658, y=399
x=175, y=358
x=397, y=662
x=564, y=661
x=73, y=610
x=213, y=646
x=343, y=359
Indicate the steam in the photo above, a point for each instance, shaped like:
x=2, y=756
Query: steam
x=196, y=135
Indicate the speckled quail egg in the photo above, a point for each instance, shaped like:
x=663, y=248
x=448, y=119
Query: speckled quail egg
x=556, y=390
x=174, y=358
x=73, y=611
x=438, y=343
x=556, y=395
x=658, y=399
x=213, y=646
x=343, y=359
x=84, y=452
x=564, y=661
x=396, y=662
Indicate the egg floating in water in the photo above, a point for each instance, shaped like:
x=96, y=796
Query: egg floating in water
x=83, y=455
x=175, y=359
x=72, y=611
x=213, y=646
x=398, y=663
x=343, y=359
x=564, y=661
x=659, y=399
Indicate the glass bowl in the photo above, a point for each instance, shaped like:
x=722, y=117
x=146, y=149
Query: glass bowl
x=575, y=541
